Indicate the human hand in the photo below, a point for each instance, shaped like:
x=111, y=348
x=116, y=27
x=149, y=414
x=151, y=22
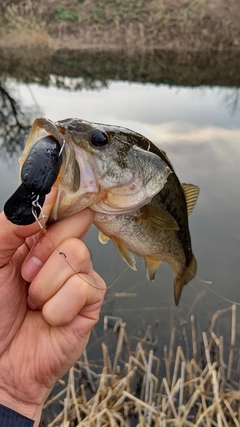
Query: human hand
x=46, y=310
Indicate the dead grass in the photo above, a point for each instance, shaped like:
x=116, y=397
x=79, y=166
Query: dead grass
x=25, y=25
x=136, y=24
x=138, y=388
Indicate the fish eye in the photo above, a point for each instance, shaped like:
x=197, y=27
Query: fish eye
x=98, y=138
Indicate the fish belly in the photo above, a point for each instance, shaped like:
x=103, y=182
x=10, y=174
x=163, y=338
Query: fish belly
x=141, y=238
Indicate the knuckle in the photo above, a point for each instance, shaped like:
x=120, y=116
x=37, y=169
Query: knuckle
x=76, y=248
x=35, y=293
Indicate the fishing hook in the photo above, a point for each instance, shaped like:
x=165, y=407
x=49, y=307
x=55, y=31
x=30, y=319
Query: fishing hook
x=35, y=205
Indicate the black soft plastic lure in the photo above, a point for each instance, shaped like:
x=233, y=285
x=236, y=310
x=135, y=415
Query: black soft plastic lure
x=38, y=174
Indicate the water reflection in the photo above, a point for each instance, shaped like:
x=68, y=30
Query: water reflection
x=179, y=68
x=15, y=124
x=201, y=137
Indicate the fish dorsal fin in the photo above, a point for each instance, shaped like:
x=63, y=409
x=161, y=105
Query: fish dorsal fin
x=103, y=238
x=158, y=218
x=126, y=255
x=191, y=193
x=151, y=267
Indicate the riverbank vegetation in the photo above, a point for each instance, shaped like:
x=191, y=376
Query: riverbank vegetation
x=180, y=42
x=186, y=25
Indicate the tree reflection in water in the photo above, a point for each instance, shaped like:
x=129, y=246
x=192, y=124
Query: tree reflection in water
x=14, y=123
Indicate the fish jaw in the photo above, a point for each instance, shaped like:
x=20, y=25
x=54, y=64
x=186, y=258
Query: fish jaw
x=40, y=128
x=86, y=188
x=70, y=192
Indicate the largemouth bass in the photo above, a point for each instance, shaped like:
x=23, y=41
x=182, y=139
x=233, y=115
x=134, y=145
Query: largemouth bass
x=121, y=175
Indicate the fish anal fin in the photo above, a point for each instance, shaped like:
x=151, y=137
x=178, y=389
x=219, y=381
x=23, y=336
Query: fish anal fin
x=158, y=218
x=125, y=254
x=151, y=267
x=191, y=193
x=103, y=238
x=184, y=279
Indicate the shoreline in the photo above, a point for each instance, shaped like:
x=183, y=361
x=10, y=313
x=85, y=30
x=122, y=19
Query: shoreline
x=182, y=42
x=180, y=25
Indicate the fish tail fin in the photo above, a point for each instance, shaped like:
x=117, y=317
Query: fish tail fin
x=184, y=279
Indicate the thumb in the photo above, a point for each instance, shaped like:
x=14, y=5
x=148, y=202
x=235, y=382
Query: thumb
x=12, y=236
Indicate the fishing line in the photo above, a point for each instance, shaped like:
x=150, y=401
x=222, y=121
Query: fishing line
x=220, y=296
x=120, y=275
x=79, y=274
x=62, y=253
x=206, y=283
x=75, y=272
x=43, y=228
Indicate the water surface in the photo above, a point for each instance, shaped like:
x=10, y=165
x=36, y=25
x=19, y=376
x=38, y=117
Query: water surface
x=199, y=128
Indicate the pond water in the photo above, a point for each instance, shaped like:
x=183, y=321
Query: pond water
x=199, y=128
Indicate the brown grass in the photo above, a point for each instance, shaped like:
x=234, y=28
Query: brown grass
x=136, y=24
x=175, y=390
x=26, y=26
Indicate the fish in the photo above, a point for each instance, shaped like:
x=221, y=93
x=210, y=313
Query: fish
x=129, y=183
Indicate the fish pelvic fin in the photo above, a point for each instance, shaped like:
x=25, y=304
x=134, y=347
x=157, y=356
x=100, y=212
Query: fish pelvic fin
x=125, y=254
x=191, y=193
x=184, y=279
x=151, y=267
x=103, y=238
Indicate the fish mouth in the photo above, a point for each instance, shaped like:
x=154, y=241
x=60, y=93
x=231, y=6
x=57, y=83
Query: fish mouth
x=75, y=185
x=40, y=166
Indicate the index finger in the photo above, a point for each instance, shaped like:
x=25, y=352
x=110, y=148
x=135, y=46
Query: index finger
x=76, y=225
x=12, y=236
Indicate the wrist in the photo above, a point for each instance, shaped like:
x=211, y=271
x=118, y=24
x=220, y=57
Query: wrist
x=27, y=409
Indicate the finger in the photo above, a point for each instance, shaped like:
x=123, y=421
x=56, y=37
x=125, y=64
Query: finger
x=13, y=236
x=70, y=258
x=80, y=295
x=74, y=226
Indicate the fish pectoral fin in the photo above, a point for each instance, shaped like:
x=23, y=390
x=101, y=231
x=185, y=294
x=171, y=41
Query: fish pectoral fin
x=191, y=193
x=158, y=218
x=184, y=279
x=151, y=267
x=125, y=254
x=103, y=238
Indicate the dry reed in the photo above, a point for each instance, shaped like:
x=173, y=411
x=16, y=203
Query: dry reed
x=192, y=25
x=196, y=390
